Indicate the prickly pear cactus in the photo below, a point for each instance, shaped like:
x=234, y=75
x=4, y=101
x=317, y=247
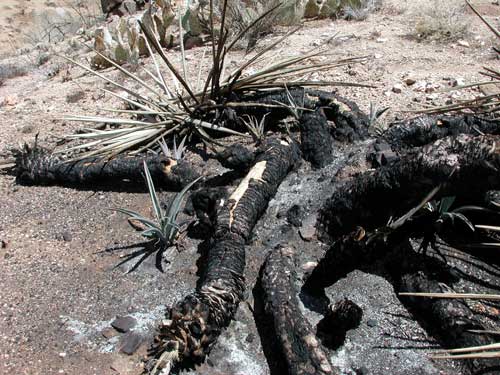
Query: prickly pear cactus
x=121, y=40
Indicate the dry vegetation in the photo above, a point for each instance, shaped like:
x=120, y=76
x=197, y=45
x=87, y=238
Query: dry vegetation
x=442, y=20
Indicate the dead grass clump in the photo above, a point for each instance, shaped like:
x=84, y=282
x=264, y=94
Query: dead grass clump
x=8, y=71
x=442, y=20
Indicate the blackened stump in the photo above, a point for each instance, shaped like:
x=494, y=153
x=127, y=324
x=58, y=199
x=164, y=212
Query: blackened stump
x=315, y=139
x=194, y=323
x=299, y=345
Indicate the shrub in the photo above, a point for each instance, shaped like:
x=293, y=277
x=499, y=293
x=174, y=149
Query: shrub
x=443, y=20
x=10, y=70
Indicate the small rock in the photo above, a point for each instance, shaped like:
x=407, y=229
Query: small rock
x=109, y=332
x=454, y=82
x=397, y=88
x=308, y=229
x=410, y=81
x=123, y=323
x=250, y=338
x=309, y=266
x=371, y=323
x=26, y=129
x=463, y=43
x=295, y=215
x=64, y=236
x=381, y=40
x=62, y=355
x=362, y=371
x=129, y=343
x=378, y=56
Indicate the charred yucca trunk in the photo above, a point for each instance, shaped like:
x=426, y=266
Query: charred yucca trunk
x=298, y=341
x=450, y=319
x=349, y=122
x=194, y=323
x=423, y=130
x=38, y=166
x=315, y=139
x=462, y=165
x=277, y=102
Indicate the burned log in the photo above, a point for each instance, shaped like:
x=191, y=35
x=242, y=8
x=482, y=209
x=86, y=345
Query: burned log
x=299, y=345
x=350, y=123
x=194, y=323
x=315, y=139
x=38, y=166
x=236, y=157
x=373, y=198
x=451, y=319
x=347, y=122
x=421, y=131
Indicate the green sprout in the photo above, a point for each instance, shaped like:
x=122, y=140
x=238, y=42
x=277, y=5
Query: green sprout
x=164, y=229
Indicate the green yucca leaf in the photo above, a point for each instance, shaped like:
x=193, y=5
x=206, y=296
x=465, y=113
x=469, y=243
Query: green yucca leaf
x=152, y=194
x=445, y=204
x=174, y=207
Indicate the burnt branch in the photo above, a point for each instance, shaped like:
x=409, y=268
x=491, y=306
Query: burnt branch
x=302, y=350
x=193, y=324
x=38, y=166
x=373, y=198
x=315, y=139
x=451, y=319
x=423, y=130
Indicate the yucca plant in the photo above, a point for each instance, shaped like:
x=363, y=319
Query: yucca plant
x=165, y=228
x=183, y=108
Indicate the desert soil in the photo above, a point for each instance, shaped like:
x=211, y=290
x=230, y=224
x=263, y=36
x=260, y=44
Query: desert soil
x=60, y=286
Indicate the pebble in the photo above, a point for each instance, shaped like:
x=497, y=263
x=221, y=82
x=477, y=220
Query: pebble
x=123, y=324
x=397, y=88
x=410, y=81
x=454, y=82
x=309, y=266
x=463, y=43
x=129, y=343
x=109, y=332
x=308, y=229
x=26, y=129
x=371, y=323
